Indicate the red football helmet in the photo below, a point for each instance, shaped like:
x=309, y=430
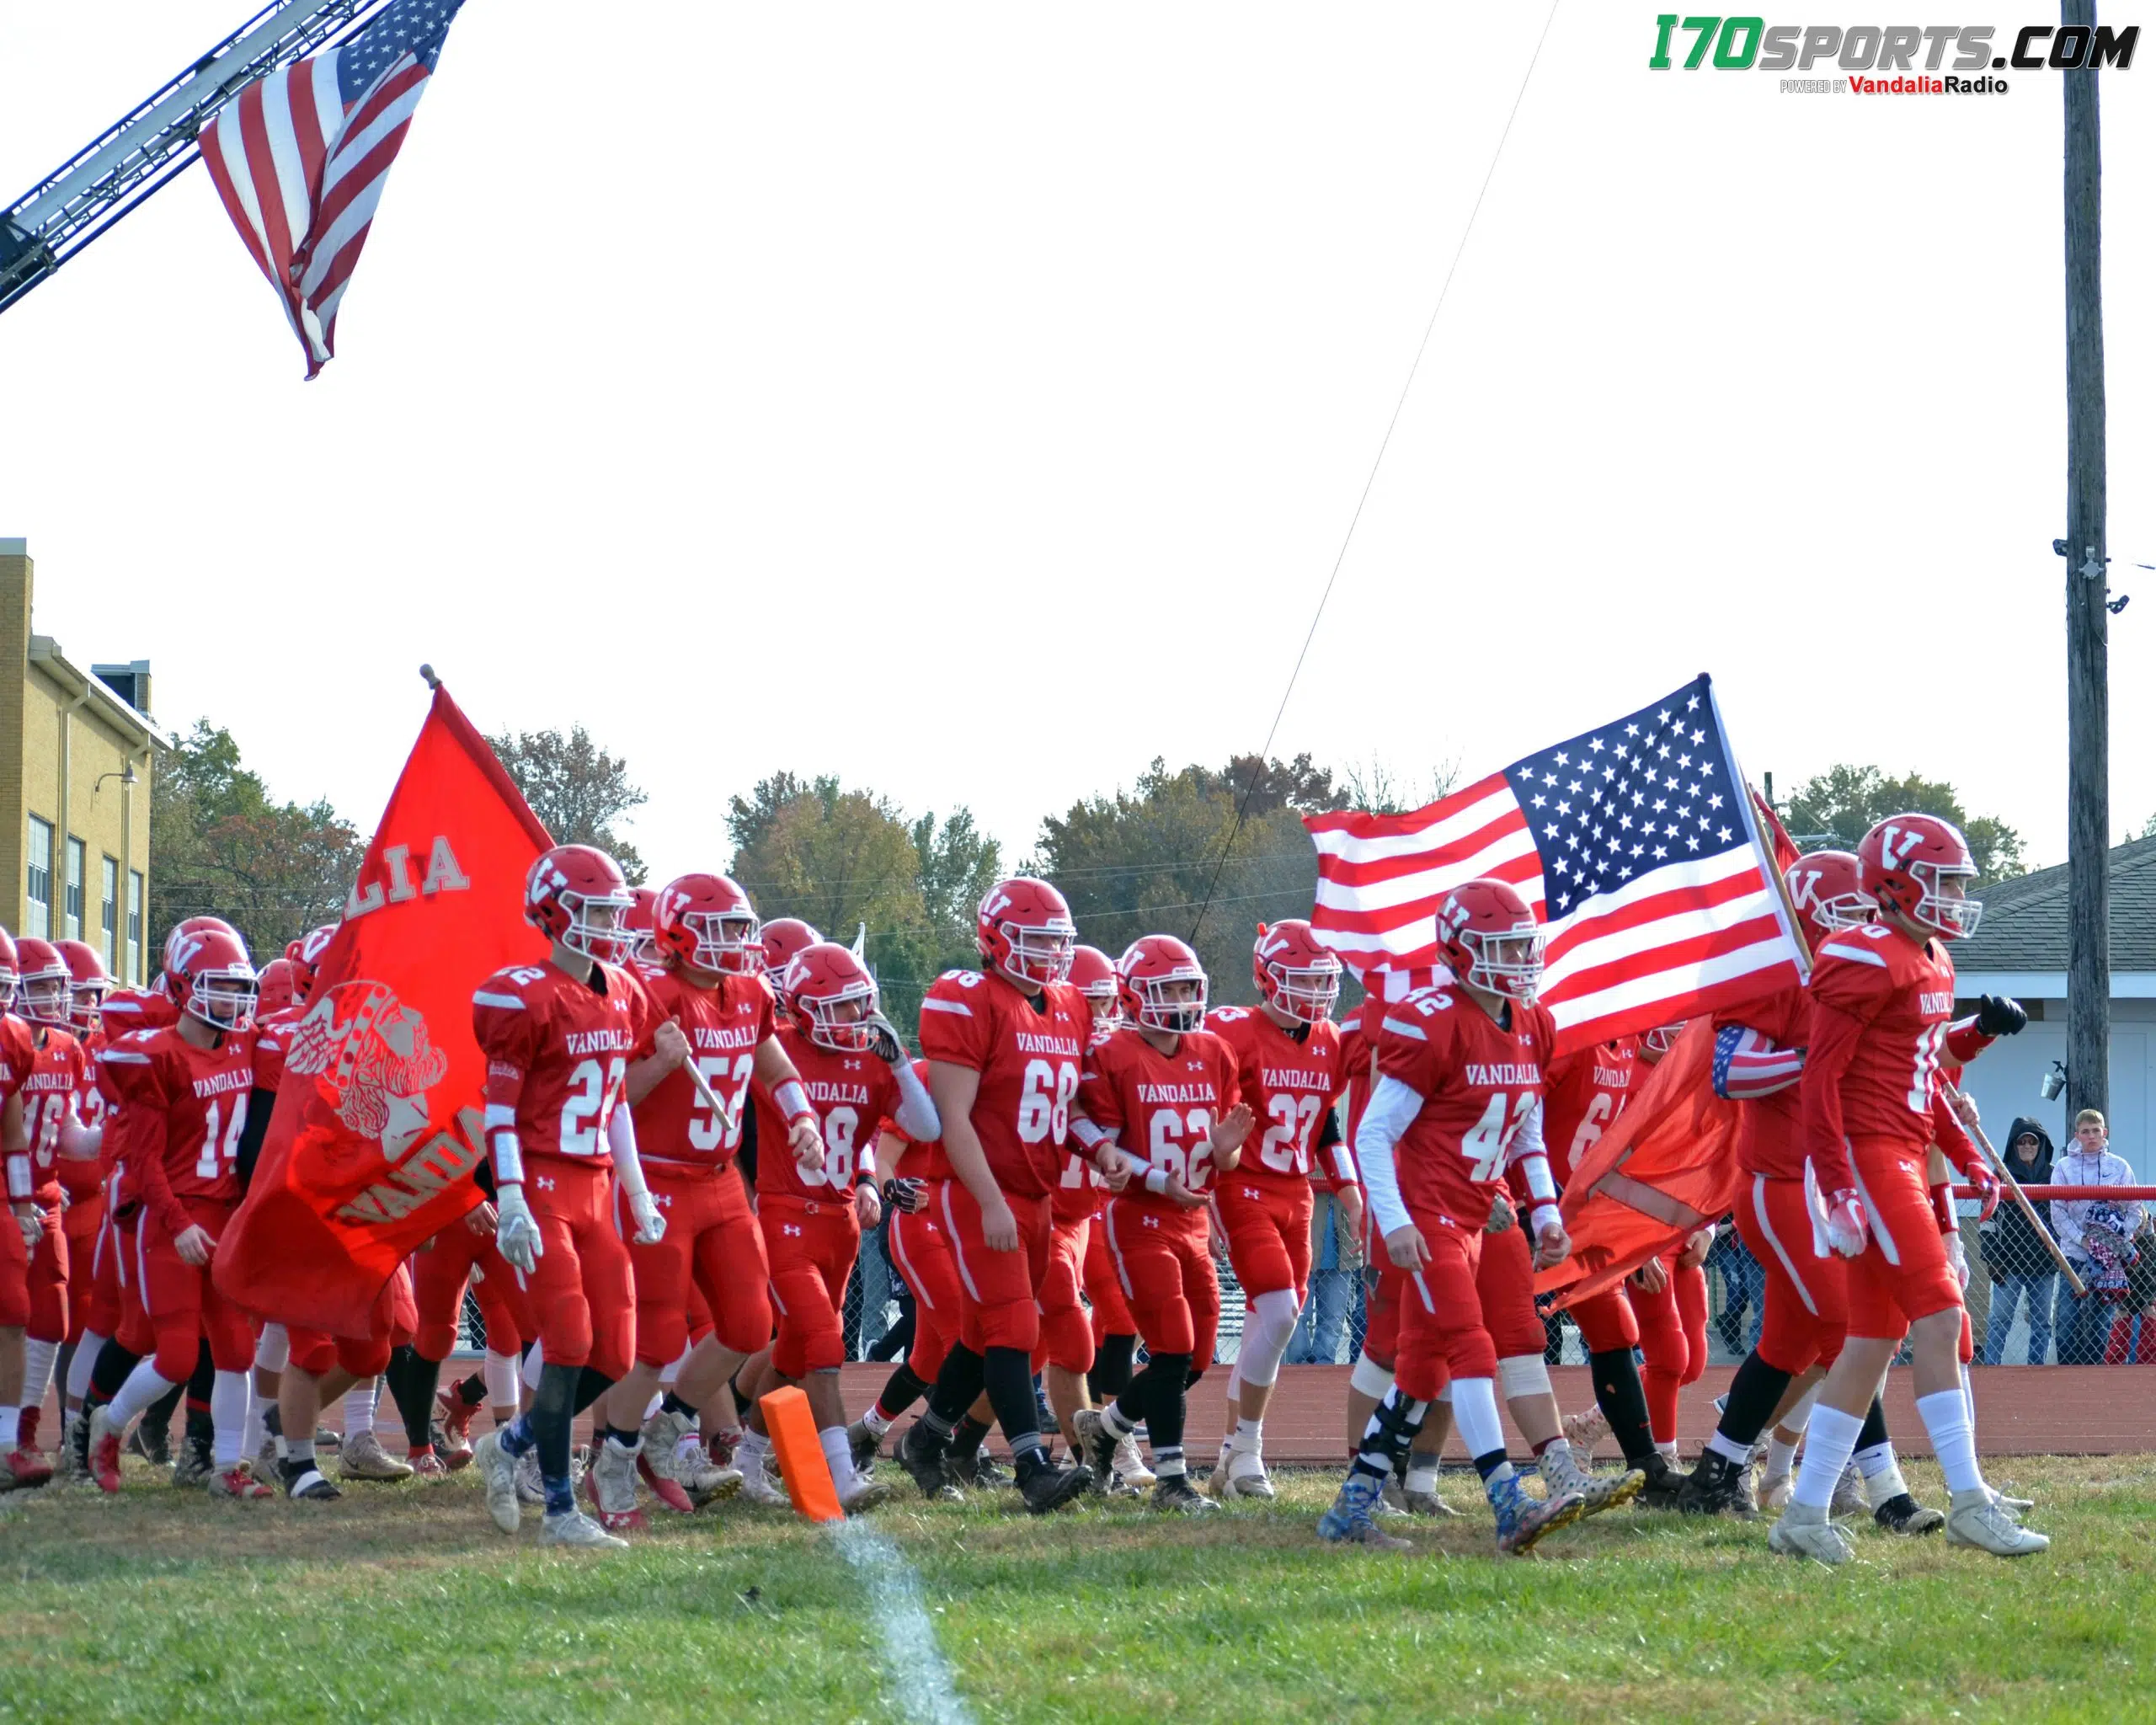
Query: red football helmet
x=1906, y=860
x=1490, y=939
x=1823, y=887
x=196, y=925
x=42, y=983
x=1026, y=931
x=276, y=988
x=577, y=895
x=10, y=975
x=643, y=922
x=1295, y=973
x=87, y=984
x=213, y=979
x=831, y=996
x=1162, y=984
x=1092, y=973
x=304, y=955
x=705, y=921
x=785, y=940
x=1658, y=1041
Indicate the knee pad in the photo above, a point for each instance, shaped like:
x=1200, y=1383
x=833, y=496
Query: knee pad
x=1370, y=1378
x=273, y=1351
x=1523, y=1374
x=1268, y=1329
x=501, y=1377
x=1398, y=1418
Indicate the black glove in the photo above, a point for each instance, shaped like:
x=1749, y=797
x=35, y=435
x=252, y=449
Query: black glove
x=887, y=1046
x=906, y=1194
x=2000, y=1015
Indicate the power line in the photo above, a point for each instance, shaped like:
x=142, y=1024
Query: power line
x=1383, y=443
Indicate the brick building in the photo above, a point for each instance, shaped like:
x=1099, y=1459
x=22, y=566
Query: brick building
x=77, y=752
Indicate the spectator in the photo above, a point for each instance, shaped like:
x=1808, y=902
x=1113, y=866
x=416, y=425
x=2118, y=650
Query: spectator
x=2015, y=1257
x=1743, y=1291
x=2082, y=1324
x=1335, y=1284
x=2138, y=1301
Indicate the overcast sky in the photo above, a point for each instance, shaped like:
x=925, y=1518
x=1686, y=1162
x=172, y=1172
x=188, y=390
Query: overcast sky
x=970, y=401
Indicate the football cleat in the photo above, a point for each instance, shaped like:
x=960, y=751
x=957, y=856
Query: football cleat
x=574, y=1528
x=1718, y=1487
x=1805, y=1531
x=864, y=1494
x=1976, y=1519
x=154, y=1447
x=927, y=1465
x=237, y=1481
x=671, y=1492
x=980, y=1471
x=662, y=1437
x=193, y=1466
x=862, y=1444
x=1098, y=1447
x=1902, y=1514
x=1392, y=1500
x=758, y=1487
x=722, y=1444
x=1598, y=1492
x=74, y=1456
x=1585, y=1429
x=497, y=1475
x=453, y=1434
x=1128, y=1467
x=22, y=1467
x=1174, y=1494
x=1351, y=1519
x=2014, y=1506
x=705, y=1482
x=1662, y=1485
x=104, y=1450
x=1246, y=1476
x=1429, y=1503
x=304, y=1479
x=531, y=1489
x=1523, y=1522
x=1050, y=1487
x=612, y=1488
x=363, y=1458
x=1848, y=1499
x=428, y=1464
x=1775, y=1493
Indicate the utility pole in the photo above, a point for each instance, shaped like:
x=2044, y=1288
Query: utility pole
x=2088, y=698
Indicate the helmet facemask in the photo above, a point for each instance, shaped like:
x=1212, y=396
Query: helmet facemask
x=86, y=1001
x=45, y=997
x=727, y=941
x=223, y=999
x=840, y=1022
x=1506, y=962
x=1953, y=915
x=1107, y=1005
x=1307, y=992
x=599, y=926
x=1039, y=955
x=1174, y=1003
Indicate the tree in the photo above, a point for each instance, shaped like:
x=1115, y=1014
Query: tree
x=576, y=788
x=221, y=845
x=1847, y=802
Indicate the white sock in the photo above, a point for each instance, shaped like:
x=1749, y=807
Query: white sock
x=1475, y=1413
x=652, y=1406
x=1781, y=1458
x=358, y=1409
x=229, y=1394
x=1945, y=1416
x=1669, y=1450
x=11, y=1427
x=1248, y=1437
x=273, y=1348
x=839, y=1454
x=1832, y=1436
x=37, y=1371
x=874, y=1419
x=82, y=1365
x=750, y=1454
x=1969, y=1394
x=1422, y=1470
x=143, y=1387
x=499, y=1371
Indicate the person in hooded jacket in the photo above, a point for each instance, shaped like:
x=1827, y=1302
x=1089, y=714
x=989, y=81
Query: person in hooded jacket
x=2019, y=1266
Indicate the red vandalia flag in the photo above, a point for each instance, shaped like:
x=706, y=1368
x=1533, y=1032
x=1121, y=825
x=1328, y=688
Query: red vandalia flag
x=378, y=1123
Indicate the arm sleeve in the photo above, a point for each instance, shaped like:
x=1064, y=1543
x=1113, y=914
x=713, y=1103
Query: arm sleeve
x=1748, y=1064
x=622, y=1142
x=1330, y=1142
x=1393, y=1108
x=1834, y=1035
x=1964, y=1042
x=916, y=1115
x=1098, y=1104
x=260, y=1105
x=1531, y=1157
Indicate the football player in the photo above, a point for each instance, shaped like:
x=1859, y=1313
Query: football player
x=23, y=1235
x=1883, y=1000
x=1168, y=1085
x=569, y=1184
x=186, y=1090
x=1005, y=1045
x=82, y=1179
x=1288, y=1064
x=1459, y=1097
x=713, y=1007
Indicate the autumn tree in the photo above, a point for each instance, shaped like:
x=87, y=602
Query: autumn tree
x=576, y=788
x=1840, y=806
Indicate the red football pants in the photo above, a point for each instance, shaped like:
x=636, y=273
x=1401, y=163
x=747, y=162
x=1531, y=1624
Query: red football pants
x=713, y=1247
x=392, y=1320
x=48, y=1280
x=14, y=1275
x=921, y=1251
x=181, y=1301
x=811, y=1246
x=1103, y=1287
x=1440, y=1331
x=1504, y=1286
x=1674, y=1338
x=1606, y=1319
x=998, y=1291
x=582, y=1289
x=1902, y=1274
x=1167, y=1278
x=1266, y=1223
x=1807, y=1310
x=1066, y=1339
x=440, y=1274
x=112, y=1301
x=82, y=1221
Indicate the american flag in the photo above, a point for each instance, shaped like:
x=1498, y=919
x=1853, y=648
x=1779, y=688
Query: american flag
x=300, y=157
x=1635, y=843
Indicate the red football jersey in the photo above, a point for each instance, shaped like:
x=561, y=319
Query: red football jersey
x=1290, y=1078
x=272, y=1039
x=1028, y=1052
x=558, y=1054
x=1771, y=1128
x=127, y=1009
x=917, y=1161
x=1159, y=1108
x=58, y=1073
x=1880, y=1007
x=1582, y=1093
x=1479, y=1081
x=725, y=1026
x=78, y=1178
x=850, y=1093
x=185, y=1108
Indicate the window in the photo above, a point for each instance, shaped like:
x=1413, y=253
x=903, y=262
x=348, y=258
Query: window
x=109, y=893
x=71, y=889
x=37, y=917
x=135, y=927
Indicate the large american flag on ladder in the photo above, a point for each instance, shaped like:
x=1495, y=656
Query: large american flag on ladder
x=1637, y=846
x=300, y=157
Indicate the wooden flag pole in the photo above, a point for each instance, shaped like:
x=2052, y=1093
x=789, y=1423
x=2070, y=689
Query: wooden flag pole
x=2014, y=1190
x=709, y=1096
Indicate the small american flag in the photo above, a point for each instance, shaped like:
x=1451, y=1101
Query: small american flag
x=1635, y=845
x=300, y=157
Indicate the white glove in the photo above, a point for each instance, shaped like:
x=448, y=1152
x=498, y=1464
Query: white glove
x=651, y=1226
x=1959, y=1258
x=516, y=1230
x=33, y=1226
x=1846, y=1223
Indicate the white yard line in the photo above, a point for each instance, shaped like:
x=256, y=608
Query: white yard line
x=922, y=1688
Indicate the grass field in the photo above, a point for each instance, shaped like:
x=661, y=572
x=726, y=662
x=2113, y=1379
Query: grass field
x=402, y=1603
